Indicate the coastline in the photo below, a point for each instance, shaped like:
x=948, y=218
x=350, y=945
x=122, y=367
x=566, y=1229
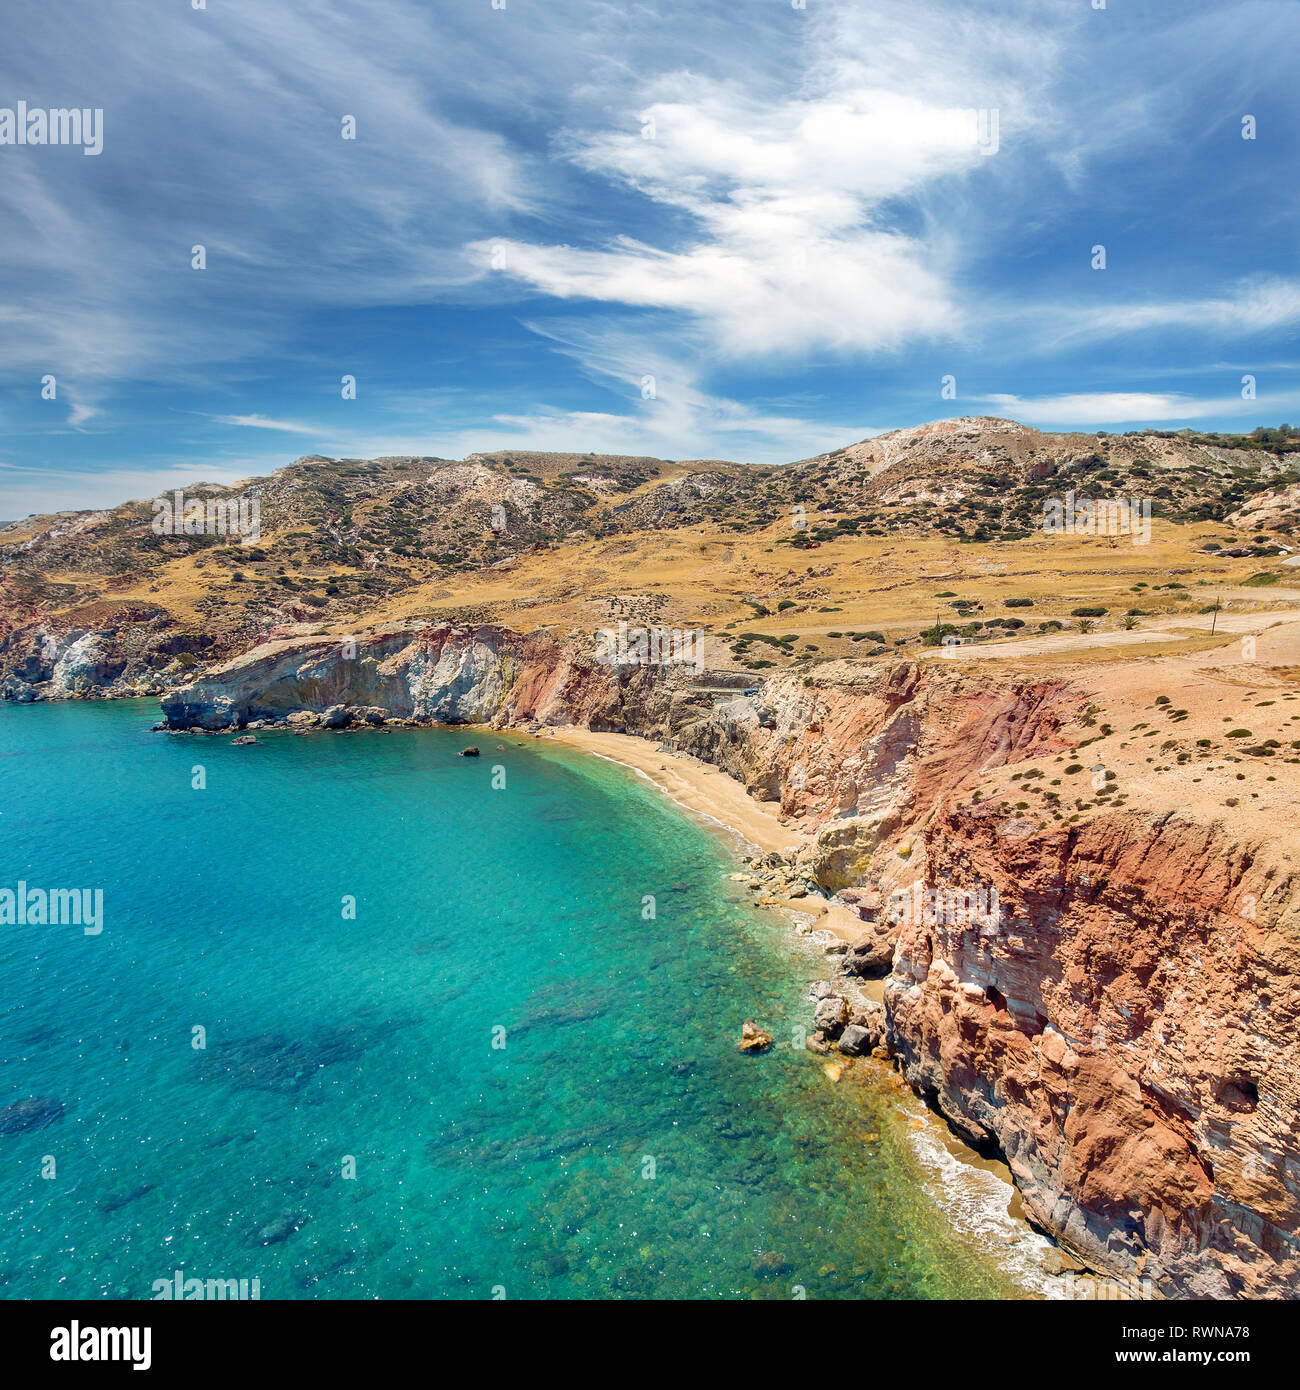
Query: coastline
x=712, y=794
x=708, y=791
x=977, y=1194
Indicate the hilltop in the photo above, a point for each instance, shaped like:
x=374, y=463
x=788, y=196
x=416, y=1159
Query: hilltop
x=919, y=534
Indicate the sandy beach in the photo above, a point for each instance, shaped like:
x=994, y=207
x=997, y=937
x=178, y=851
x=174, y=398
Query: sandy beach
x=710, y=793
x=705, y=790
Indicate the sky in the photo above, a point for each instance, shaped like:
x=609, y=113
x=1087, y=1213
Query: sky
x=741, y=229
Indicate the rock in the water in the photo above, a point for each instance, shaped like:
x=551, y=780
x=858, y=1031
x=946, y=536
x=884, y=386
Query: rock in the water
x=470, y=752
x=753, y=1038
x=873, y=1022
x=243, y=740
x=117, y=1203
x=771, y=1265
x=855, y=1040
x=831, y=1013
x=281, y=1229
x=36, y=1112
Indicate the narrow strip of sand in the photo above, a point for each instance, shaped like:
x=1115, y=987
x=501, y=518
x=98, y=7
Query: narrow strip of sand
x=703, y=789
x=710, y=792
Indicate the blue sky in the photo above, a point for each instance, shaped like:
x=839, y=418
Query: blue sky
x=789, y=219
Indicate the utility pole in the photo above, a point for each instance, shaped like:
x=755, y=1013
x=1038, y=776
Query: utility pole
x=1218, y=599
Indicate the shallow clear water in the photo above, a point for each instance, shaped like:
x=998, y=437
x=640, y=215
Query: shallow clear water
x=617, y=1145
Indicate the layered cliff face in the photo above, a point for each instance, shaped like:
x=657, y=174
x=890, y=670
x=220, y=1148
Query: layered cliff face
x=1109, y=999
x=128, y=651
x=412, y=672
x=1126, y=1034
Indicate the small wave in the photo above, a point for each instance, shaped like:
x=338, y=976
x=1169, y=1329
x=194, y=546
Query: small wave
x=976, y=1202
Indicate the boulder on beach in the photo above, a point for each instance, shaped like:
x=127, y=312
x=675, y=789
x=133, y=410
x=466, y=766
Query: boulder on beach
x=753, y=1038
x=871, y=955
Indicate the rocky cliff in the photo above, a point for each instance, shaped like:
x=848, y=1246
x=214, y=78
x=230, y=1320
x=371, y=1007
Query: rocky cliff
x=1122, y=1026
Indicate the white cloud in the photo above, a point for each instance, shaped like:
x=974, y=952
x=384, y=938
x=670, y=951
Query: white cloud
x=29, y=490
x=1105, y=408
x=790, y=252
x=228, y=135
x=260, y=422
x=1250, y=308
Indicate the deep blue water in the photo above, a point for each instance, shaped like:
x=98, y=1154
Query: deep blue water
x=617, y=1145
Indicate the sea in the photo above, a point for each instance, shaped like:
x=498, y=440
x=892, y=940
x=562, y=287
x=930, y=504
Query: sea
x=363, y=1018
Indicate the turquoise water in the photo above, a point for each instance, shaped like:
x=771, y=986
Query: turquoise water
x=616, y=1145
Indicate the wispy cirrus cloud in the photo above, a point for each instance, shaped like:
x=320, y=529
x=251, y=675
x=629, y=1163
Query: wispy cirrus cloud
x=791, y=244
x=814, y=232
x=1091, y=408
x=260, y=422
x=1247, y=308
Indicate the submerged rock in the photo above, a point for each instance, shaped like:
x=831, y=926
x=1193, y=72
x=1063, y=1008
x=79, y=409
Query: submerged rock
x=281, y=1064
x=117, y=1203
x=36, y=1112
x=771, y=1265
x=560, y=1004
x=282, y=1228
